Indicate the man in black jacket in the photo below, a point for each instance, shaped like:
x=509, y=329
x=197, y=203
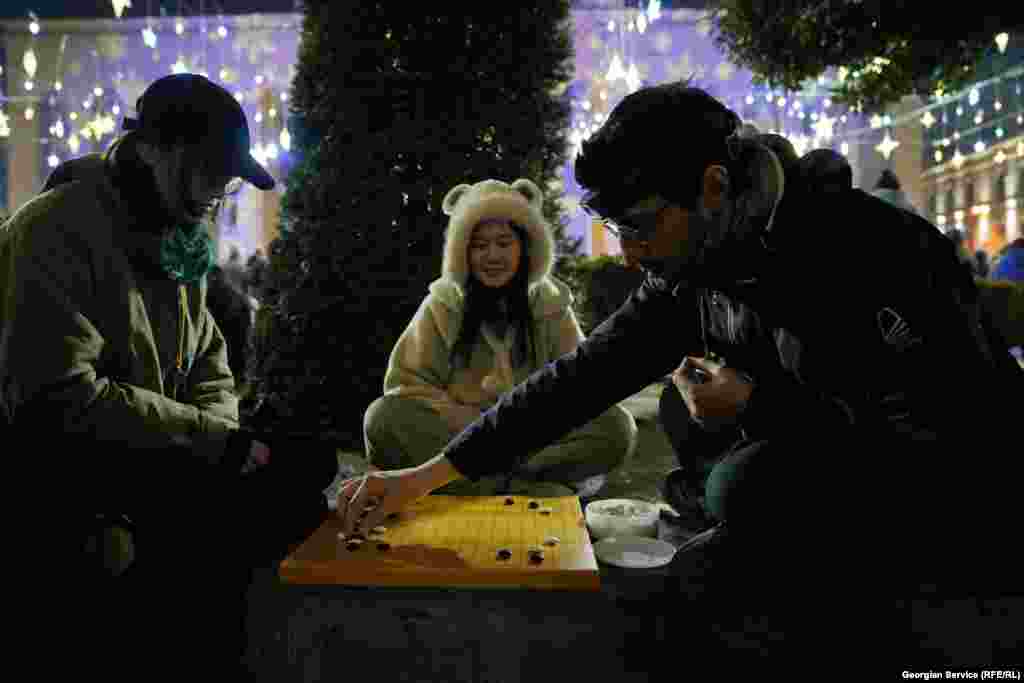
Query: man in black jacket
x=856, y=384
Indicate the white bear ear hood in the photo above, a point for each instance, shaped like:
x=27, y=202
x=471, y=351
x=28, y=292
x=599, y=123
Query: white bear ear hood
x=520, y=203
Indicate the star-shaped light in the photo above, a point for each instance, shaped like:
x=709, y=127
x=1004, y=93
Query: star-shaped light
x=800, y=144
x=1000, y=156
x=286, y=139
x=928, y=120
x=179, y=66
x=73, y=143
x=633, y=78
x=615, y=70
x=4, y=128
x=654, y=10
x=1001, y=40
x=938, y=156
x=119, y=6
x=958, y=158
x=876, y=121
x=887, y=145
x=30, y=63
x=149, y=37
x=823, y=127
x=979, y=146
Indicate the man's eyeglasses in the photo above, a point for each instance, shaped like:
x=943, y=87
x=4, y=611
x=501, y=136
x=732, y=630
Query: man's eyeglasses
x=639, y=224
x=232, y=188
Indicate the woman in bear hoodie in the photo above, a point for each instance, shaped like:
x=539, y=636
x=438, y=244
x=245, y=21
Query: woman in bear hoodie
x=494, y=317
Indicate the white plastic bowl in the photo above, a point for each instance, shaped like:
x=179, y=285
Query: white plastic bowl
x=622, y=517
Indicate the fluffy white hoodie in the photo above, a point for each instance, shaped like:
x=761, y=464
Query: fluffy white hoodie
x=419, y=366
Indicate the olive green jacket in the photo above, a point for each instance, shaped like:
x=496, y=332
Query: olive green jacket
x=420, y=367
x=90, y=341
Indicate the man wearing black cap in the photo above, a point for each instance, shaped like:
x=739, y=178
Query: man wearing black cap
x=115, y=377
x=856, y=394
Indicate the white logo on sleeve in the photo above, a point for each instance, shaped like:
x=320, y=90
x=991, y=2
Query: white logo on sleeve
x=895, y=330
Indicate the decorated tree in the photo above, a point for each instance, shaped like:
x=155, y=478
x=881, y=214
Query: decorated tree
x=882, y=50
x=391, y=107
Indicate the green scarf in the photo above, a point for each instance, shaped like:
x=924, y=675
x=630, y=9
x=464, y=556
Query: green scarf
x=187, y=254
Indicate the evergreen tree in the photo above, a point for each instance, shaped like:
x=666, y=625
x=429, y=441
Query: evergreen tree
x=391, y=107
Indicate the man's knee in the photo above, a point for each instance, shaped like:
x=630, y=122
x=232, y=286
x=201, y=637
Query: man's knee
x=384, y=417
x=389, y=425
x=622, y=433
x=377, y=417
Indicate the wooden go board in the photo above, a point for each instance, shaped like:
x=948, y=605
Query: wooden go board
x=455, y=541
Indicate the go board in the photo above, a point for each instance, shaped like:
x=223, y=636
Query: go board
x=457, y=541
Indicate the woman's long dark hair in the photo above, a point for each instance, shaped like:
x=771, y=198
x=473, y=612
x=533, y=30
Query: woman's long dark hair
x=482, y=306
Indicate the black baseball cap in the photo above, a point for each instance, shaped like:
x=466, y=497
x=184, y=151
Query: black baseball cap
x=193, y=109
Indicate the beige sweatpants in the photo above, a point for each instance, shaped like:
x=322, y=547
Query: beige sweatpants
x=405, y=432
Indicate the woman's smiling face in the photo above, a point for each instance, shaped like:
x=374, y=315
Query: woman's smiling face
x=494, y=253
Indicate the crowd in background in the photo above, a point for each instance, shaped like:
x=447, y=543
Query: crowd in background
x=233, y=298
x=1005, y=264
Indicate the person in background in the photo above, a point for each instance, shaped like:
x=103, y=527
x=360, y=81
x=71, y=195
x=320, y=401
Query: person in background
x=255, y=274
x=234, y=270
x=1010, y=263
x=889, y=189
x=115, y=380
x=982, y=265
x=1005, y=295
x=959, y=241
x=495, y=316
x=234, y=313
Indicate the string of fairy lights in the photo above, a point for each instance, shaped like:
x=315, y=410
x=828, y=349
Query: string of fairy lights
x=94, y=77
x=977, y=119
